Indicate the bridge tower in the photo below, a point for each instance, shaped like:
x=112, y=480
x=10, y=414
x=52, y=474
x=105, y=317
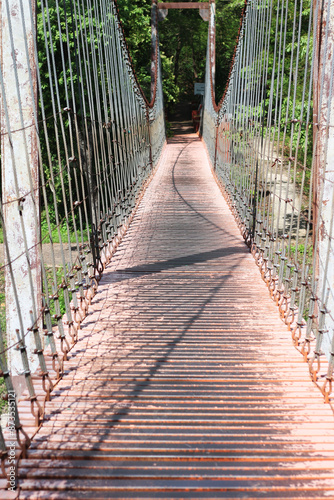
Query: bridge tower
x=207, y=11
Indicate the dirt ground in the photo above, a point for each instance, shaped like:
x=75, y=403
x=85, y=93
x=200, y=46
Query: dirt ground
x=47, y=254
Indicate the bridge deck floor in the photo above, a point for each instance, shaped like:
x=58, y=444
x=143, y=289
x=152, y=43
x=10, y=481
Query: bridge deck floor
x=184, y=383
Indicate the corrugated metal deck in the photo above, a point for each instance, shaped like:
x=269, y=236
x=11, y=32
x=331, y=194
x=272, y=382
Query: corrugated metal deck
x=184, y=383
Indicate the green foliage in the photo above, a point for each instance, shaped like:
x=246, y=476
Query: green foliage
x=56, y=234
x=136, y=20
x=169, y=131
x=183, y=40
x=56, y=284
x=301, y=252
x=288, y=87
x=227, y=25
x=183, y=37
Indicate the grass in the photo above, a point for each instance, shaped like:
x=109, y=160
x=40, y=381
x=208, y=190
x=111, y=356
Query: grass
x=60, y=277
x=63, y=234
x=169, y=131
x=300, y=253
x=55, y=234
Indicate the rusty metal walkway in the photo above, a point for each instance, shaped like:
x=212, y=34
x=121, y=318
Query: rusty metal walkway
x=184, y=383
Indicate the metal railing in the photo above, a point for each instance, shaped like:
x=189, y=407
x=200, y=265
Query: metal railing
x=270, y=144
x=79, y=142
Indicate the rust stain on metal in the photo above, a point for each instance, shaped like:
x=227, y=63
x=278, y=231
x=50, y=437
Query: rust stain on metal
x=20, y=178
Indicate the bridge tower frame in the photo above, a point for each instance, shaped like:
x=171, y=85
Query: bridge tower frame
x=159, y=11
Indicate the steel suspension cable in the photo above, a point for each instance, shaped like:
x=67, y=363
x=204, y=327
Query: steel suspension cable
x=86, y=149
x=272, y=159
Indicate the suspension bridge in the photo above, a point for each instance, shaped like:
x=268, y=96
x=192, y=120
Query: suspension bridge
x=168, y=326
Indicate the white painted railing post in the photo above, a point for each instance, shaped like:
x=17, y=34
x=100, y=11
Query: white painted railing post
x=154, y=35
x=324, y=167
x=19, y=163
x=213, y=43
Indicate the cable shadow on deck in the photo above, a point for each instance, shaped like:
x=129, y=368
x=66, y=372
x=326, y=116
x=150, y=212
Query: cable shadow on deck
x=134, y=387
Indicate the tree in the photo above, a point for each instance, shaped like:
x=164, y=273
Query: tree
x=183, y=40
